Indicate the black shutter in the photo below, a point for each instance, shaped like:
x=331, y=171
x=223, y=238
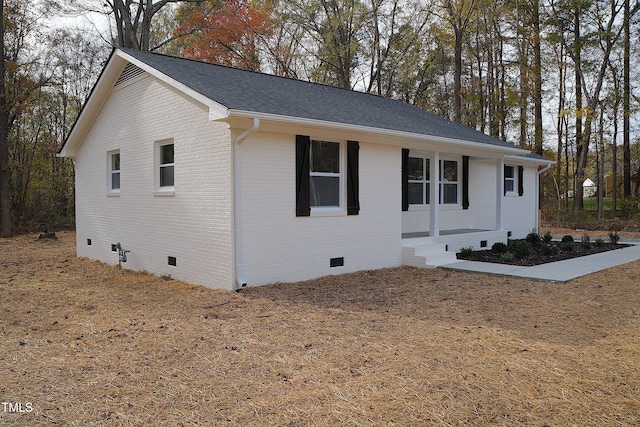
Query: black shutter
x=520, y=180
x=465, y=182
x=405, y=179
x=353, y=180
x=303, y=182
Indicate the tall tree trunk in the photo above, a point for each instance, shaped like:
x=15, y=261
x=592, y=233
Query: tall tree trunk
x=561, y=119
x=5, y=193
x=457, y=75
x=581, y=148
x=520, y=45
x=614, y=164
x=537, y=76
x=626, y=105
x=601, y=168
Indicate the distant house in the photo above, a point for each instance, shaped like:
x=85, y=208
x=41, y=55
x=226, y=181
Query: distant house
x=589, y=188
x=228, y=178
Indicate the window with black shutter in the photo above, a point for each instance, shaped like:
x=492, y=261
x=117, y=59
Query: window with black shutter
x=320, y=178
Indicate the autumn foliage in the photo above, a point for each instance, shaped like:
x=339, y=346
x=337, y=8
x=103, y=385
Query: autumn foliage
x=225, y=32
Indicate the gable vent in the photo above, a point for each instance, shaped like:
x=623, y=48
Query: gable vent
x=129, y=72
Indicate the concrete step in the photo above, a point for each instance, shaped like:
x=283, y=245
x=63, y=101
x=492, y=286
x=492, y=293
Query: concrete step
x=429, y=255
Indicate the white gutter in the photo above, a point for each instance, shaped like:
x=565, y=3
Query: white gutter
x=546, y=168
x=380, y=131
x=237, y=200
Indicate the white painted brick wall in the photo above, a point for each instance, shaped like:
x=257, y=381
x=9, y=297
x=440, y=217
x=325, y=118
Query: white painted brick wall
x=278, y=246
x=519, y=212
x=195, y=225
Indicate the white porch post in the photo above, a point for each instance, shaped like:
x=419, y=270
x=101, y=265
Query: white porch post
x=434, y=200
x=499, y=192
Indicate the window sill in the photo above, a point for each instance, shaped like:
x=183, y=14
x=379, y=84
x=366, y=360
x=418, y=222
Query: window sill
x=428, y=207
x=320, y=212
x=164, y=193
x=113, y=194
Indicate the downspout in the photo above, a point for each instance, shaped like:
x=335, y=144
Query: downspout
x=237, y=200
x=540, y=172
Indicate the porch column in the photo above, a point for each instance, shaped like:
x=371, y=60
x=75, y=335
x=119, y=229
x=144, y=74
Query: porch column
x=499, y=192
x=434, y=199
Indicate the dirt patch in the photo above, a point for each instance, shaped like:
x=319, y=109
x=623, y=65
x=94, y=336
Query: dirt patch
x=87, y=344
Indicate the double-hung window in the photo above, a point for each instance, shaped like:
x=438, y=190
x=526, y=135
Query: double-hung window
x=419, y=181
x=114, y=171
x=166, y=166
x=327, y=178
x=513, y=180
x=418, y=187
x=509, y=180
x=325, y=174
x=449, y=182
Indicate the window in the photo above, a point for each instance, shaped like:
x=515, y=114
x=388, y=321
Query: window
x=418, y=173
x=418, y=181
x=509, y=180
x=327, y=177
x=324, y=173
x=166, y=166
x=448, y=182
x=114, y=171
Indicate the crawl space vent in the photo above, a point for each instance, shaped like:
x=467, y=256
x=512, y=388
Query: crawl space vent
x=336, y=262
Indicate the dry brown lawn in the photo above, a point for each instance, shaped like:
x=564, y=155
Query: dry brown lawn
x=86, y=344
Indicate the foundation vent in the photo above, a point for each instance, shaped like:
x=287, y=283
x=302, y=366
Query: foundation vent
x=336, y=262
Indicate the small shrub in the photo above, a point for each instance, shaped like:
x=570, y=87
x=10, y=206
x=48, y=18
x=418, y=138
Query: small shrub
x=499, y=248
x=614, y=237
x=547, y=237
x=507, y=257
x=599, y=242
x=586, y=242
x=567, y=238
x=550, y=249
x=521, y=248
x=466, y=252
x=568, y=246
x=533, y=238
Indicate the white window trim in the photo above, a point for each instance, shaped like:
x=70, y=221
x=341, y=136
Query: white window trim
x=426, y=181
x=113, y=192
x=514, y=192
x=441, y=182
x=167, y=190
x=427, y=202
x=339, y=210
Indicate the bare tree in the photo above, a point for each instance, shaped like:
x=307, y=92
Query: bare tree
x=5, y=194
x=133, y=19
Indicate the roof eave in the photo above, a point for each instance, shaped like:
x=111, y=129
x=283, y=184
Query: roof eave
x=514, y=151
x=530, y=160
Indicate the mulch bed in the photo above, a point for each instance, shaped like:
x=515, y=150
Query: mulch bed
x=538, y=257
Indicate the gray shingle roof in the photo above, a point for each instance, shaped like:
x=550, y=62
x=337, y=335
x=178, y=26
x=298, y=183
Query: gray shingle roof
x=263, y=93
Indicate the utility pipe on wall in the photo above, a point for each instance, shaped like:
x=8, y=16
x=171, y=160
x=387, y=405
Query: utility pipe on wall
x=237, y=176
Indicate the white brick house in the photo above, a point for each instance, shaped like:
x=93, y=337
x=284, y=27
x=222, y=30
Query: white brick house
x=228, y=178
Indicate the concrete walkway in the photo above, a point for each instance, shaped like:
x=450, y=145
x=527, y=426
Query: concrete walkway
x=560, y=271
